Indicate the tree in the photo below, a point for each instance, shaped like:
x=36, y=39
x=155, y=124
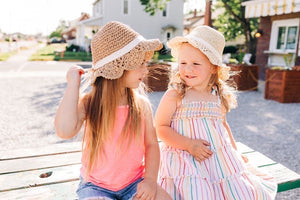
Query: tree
x=232, y=23
x=151, y=6
x=60, y=28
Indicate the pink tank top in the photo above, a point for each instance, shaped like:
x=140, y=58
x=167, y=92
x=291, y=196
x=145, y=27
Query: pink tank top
x=116, y=171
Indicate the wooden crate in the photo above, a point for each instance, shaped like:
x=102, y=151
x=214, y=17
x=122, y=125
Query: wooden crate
x=283, y=86
x=246, y=78
x=158, y=77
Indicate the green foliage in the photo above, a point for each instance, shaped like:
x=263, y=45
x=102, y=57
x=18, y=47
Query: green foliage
x=60, y=28
x=151, y=6
x=232, y=21
x=56, y=34
x=289, y=60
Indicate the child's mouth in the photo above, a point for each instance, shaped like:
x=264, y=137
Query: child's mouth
x=189, y=76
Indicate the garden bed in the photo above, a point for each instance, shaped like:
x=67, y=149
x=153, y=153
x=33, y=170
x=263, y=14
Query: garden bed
x=283, y=86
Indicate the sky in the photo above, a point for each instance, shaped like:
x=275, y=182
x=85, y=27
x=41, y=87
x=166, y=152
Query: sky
x=43, y=16
x=39, y=16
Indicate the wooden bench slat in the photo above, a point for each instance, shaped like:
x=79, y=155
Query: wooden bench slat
x=243, y=148
x=61, y=191
x=32, y=178
x=286, y=178
x=40, y=151
x=259, y=160
x=25, y=164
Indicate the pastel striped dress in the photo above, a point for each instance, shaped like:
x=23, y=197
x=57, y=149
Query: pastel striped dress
x=222, y=176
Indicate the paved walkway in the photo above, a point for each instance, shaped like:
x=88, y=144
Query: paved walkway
x=29, y=101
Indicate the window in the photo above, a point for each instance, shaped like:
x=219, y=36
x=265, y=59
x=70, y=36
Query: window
x=286, y=37
x=168, y=36
x=126, y=5
x=164, y=12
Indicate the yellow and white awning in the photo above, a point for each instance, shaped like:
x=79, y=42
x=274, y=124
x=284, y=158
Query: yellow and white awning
x=262, y=8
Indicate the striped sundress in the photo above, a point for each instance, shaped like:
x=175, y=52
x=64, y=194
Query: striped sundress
x=224, y=175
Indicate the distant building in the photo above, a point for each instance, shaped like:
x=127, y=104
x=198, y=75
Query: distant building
x=70, y=34
x=164, y=25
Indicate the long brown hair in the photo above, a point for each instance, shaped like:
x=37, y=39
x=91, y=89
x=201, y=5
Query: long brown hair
x=101, y=105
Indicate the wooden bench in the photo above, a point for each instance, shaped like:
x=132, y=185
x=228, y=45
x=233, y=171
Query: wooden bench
x=52, y=172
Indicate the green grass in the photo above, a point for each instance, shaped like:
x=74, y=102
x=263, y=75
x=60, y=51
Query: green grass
x=47, y=53
x=5, y=56
x=54, y=52
x=82, y=56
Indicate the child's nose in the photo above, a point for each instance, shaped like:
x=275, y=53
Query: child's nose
x=188, y=68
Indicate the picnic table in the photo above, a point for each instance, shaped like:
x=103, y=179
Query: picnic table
x=52, y=172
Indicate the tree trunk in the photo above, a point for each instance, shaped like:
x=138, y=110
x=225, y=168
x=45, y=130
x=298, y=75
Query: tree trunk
x=207, y=16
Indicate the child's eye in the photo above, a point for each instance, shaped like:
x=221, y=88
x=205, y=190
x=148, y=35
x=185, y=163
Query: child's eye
x=183, y=63
x=197, y=64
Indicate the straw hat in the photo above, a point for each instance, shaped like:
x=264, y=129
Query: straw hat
x=209, y=41
x=115, y=48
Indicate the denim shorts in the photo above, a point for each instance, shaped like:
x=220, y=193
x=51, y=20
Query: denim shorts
x=88, y=190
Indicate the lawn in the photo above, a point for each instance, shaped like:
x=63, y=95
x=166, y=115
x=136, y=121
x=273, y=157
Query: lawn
x=5, y=56
x=48, y=52
x=57, y=52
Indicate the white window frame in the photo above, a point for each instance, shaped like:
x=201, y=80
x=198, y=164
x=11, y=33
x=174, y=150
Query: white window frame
x=98, y=9
x=128, y=11
x=274, y=34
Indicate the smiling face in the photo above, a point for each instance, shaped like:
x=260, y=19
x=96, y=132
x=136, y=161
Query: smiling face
x=133, y=78
x=194, y=67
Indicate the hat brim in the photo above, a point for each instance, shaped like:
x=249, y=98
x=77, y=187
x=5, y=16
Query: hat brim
x=175, y=43
x=130, y=60
x=149, y=46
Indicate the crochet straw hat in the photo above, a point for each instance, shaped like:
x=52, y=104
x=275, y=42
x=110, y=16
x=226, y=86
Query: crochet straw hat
x=209, y=41
x=115, y=48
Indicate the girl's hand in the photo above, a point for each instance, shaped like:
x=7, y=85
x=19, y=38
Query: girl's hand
x=198, y=149
x=146, y=190
x=74, y=75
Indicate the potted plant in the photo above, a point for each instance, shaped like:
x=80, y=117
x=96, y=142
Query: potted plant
x=245, y=74
x=159, y=71
x=283, y=83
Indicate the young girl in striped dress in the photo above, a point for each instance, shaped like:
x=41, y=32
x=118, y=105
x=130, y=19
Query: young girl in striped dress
x=199, y=158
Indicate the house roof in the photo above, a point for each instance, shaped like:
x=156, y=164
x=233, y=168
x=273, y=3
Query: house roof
x=263, y=8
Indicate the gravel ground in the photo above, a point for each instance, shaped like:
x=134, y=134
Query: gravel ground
x=28, y=105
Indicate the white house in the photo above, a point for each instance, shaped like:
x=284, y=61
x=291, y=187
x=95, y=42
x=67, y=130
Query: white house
x=164, y=25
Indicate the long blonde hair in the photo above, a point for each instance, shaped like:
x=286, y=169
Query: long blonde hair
x=226, y=91
x=101, y=105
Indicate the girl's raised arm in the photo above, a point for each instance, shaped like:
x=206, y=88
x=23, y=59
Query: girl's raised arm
x=70, y=114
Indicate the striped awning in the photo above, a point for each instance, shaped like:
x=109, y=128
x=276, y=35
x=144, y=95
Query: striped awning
x=262, y=8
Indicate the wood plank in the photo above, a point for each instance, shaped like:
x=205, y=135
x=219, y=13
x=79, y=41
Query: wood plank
x=42, y=162
x=60, y=191
x=286, y=178
x=243, y=148
x=258, y=159
x=39, y=151
x=21, y=180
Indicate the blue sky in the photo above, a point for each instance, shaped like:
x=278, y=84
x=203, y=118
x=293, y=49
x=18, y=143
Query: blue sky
x=43, y=16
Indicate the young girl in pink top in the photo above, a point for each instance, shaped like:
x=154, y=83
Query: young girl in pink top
x=199, y=157
x=120, y=157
